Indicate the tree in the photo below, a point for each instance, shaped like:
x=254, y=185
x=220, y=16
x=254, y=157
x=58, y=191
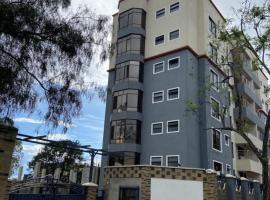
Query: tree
x=57, y=156
x=16, y=157
x=251, y=35
x=45, y=54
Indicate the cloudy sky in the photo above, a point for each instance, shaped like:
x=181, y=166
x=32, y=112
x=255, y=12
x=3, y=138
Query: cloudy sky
x=88, y=129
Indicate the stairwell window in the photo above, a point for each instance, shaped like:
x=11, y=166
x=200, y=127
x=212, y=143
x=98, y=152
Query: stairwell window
x=173, y=126
x=173, y=94
x=214, y=80
x=174, y=7
x=227, y=140
x=157, y=128
x=216, y=140
x=174, y=34
x=174, y=63
x=129, y=193
x=158, y=68
x=228, y=169
x=218, y=166
x=158, y=97
x=159, y=40
x=156, y=160
x=160, y=13
x=212, y=27
x=173, y=160
x=213, y=53
x=215, y=108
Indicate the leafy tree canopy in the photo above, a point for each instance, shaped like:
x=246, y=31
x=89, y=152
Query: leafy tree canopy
x=52, y=157
x=41, y=46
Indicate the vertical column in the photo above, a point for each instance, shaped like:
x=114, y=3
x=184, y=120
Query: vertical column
x=244, y=189
x=257, y=190
x=36, y=170
x=231, y=187
x=91, y=191
x=20, y=173
x=7, y=143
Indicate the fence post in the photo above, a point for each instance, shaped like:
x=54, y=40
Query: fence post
x=7, y=143
x=257, y=190
x=91, y=191
x=231, y=187
x=244, y=189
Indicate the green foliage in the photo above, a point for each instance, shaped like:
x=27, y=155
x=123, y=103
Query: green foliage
x=44, y=56
x=194, y=107
x=52, y=158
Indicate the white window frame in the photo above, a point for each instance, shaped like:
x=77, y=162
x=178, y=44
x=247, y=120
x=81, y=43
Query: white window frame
x=162, y=91
x=220, y=151
x=160, y=43
x=212, y=85
x=168, y=156
x=163, y=63
x=178, y=97
x=178, y=126
x=157, y=18
x=173, y=4
x=230, y=167
x=215, y=161
x=212, y=98
x=151, y=157
x=169, y=36
x=227, y=144
x=174, y=67
x=162, y=128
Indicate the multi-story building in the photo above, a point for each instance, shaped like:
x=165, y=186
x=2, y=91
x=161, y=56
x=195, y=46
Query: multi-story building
x=165, y=92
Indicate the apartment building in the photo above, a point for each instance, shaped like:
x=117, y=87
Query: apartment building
x=165, y=91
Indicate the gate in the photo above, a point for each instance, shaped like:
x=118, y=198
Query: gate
x=45, y=197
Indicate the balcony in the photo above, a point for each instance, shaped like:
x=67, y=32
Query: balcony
x=239, y=140
x=243, y=88
x=247, y=161
x=251, y=74
x=250, y=115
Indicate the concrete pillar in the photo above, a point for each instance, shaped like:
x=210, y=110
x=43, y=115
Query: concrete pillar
x=36, y=170
x=74, y=178
x=7, y=143
x=57, y=174
x=43, y=173
x=230, y=187
x=257, y=190
x=91, y=191
x=20, y=173
x=85, y=175
x=244, y=189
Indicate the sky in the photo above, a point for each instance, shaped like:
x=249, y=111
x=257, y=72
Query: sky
x=88, y=128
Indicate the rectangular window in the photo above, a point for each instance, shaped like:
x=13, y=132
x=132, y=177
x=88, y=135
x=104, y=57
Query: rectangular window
x=215, y=109
x=213, y=53
x=173, y=63
x=160, y=13
x=218, y=166
x=129, y=193
x=157, y=128
x=174, y=35
x=212, y=27
x=156, y=160
x=214, y=79
x=158, y=97
x=216, y=140
x=124, y=158
x=228, y=169
x=173, y=94
x=174, y=7
x=158, y=68
x=132, y=18
x=173, y=126
x=129, y=71
x=132, y=44
x=227, y=140
x=159, y=40
x=173, y=161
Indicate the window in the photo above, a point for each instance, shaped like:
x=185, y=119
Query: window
x=156, y=160
x=173, y=126
x=158, y=68
x=228, y=169
x=173, y=161
x=159, y=40
x=232, y=146
x=216, y=140
x=212, y=27
x=215, y=109
x=227, y=140
x=127, y=100
x=160, y=13
x=126, y=132
x=157, y=128
x=129, y=193
x=124, y=158
x=134, y=17
x=174, y=7
x=218, y=166
x=214, y=79
x=158, y=97
x=173, y=63
x=129, y=71
x=173, y=94
x=213, y=53
x=132, y=44
x=174, y=35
